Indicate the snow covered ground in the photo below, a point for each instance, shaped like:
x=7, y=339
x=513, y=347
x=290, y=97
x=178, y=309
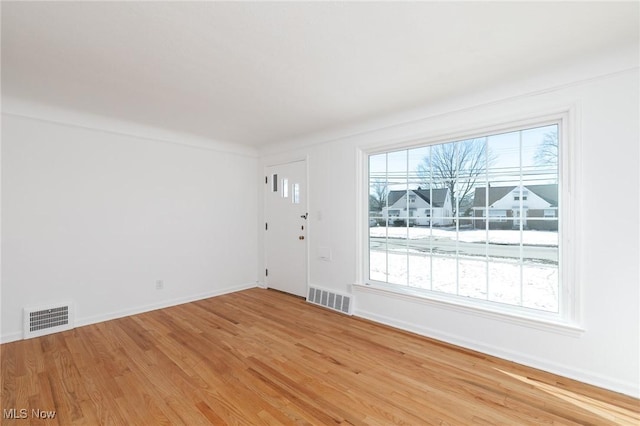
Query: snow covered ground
x=529, y=283
x=495, y=236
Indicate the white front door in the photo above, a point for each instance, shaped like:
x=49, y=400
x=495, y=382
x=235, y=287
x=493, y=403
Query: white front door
x=517, y=218
x=286, y=227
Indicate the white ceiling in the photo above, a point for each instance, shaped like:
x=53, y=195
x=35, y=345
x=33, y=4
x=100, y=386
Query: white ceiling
x=256, y=72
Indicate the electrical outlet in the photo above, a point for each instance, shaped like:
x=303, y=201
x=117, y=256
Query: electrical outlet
x=159, y=285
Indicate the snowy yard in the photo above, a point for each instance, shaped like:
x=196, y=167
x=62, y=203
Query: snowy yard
x=526, y=282
x=493, y=281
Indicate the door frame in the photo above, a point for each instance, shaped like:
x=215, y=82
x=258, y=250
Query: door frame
x=265, y=218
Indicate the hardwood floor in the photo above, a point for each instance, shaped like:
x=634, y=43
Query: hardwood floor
x=263, y=357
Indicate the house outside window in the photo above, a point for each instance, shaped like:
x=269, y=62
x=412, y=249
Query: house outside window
x=493, y=238
x=520, y=194
x=497, y=215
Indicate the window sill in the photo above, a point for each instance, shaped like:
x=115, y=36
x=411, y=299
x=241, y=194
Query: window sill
x=511, y=316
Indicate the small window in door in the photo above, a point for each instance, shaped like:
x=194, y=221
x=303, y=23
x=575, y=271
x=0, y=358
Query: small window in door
x=274, y=183
x=285, y=188
x=295, y=193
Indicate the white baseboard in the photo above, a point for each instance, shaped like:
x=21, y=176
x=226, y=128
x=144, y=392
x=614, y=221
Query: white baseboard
x=625, y=387
x=164, y=304
x=11, y=337
x=79, y=322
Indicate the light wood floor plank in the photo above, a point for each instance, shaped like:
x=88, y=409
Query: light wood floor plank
x=264, y=357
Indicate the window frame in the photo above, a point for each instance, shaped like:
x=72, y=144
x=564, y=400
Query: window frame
x=568, y=320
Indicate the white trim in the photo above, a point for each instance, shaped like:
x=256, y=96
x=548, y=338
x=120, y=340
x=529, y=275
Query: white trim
x=162, y=305
x=188, y=141
x=307, y=224
x=570, y=219
x=567, y=117
x=11, y=337
x=508, y=122
x=475, y=307
x=569, y=371
x=79, y=322
x=362, y=215
x=293, y=159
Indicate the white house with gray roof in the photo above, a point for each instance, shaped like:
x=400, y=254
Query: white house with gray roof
x=420, y=207
x=509, y=207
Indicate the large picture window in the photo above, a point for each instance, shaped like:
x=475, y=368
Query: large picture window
x=475, y=219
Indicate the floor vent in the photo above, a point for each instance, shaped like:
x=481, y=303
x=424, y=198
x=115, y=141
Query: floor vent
x=330, y=299
x=40, y=320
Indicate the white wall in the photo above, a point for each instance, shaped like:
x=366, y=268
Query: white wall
x=604, y=94
x=97, y=217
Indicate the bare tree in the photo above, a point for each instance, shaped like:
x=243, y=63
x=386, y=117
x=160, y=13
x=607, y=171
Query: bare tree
x=456, y=166
x=547, y=152
x=379, y=192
